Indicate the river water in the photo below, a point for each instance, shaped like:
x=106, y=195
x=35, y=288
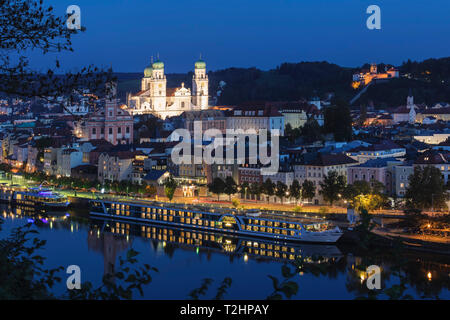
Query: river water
x=185, y=257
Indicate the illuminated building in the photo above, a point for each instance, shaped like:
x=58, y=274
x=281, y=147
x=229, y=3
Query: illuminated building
x=155, y=98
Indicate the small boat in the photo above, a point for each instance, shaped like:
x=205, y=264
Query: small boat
x=40, y=198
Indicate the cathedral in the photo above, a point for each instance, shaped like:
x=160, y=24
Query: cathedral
x=155, y=98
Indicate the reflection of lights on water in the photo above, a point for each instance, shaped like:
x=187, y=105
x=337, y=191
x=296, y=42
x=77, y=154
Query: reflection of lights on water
x=301, y=273
x=362, y=277
x=128, y=238
x=164, y=244
x=429, y=276
x=245, y=257
x=197, y=250
x=30, y=221
x=71, y=227
x=51, y=224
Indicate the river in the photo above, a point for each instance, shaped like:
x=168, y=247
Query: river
x=184, y=258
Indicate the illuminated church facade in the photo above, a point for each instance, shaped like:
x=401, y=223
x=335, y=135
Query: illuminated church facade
x=155, y=98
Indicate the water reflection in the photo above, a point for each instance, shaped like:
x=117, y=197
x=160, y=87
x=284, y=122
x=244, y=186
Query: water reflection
x=203, y=242
x=421, y=275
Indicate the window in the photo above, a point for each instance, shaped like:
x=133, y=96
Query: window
x=119, y=130
x=127, y=130
x=94, y=131
x=110, y=131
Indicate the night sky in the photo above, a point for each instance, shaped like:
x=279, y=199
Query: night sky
x=247, y=33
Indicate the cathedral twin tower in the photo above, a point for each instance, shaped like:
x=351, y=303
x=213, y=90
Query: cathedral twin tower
x=155, y=98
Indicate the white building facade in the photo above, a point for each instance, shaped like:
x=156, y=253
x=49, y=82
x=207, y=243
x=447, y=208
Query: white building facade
x=155, y=98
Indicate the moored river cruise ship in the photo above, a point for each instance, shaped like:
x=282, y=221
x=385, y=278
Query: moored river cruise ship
x=216, y=219
x=42, y=198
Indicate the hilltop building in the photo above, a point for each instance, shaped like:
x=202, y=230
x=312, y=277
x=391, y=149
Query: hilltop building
x=365, y=77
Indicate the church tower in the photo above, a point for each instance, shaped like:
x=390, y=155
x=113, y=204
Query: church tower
x=200, y=85
x=148, y=72
x=158, y=85
x=412, y=108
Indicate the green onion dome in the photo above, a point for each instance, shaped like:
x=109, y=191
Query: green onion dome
x=200, y=64
x=148, y=71
x=158, y=65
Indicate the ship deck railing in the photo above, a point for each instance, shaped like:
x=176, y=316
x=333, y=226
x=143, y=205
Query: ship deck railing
x=303, y=218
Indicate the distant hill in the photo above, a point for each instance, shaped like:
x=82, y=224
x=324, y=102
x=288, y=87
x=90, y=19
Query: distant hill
x=429, y=79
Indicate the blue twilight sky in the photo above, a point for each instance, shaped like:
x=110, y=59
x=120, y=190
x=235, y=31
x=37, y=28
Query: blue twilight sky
x=246, y=33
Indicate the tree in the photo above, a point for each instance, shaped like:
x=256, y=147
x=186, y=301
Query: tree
x=170, y=185
x=150, y=190
x=311, y=131
x=338, y=121
x=230, y=187
x=364, y=195
x=243, y=188
x=280, y=190
x=268, y=187
x=308, y=190
x=255, y=189
x=217, y=187
x=332, y=186
x=236, y=203
x=27, y=26
x=426, y=188
x=292, y=134
x=295, y=190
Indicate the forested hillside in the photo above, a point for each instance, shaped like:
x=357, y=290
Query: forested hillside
x=429, y=79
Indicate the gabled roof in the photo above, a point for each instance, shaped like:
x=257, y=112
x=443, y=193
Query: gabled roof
x=326, y=160
x=154, y=175
x=432, y=157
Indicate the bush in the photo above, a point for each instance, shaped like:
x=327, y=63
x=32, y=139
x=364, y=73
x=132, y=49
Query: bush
x=235, y=202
